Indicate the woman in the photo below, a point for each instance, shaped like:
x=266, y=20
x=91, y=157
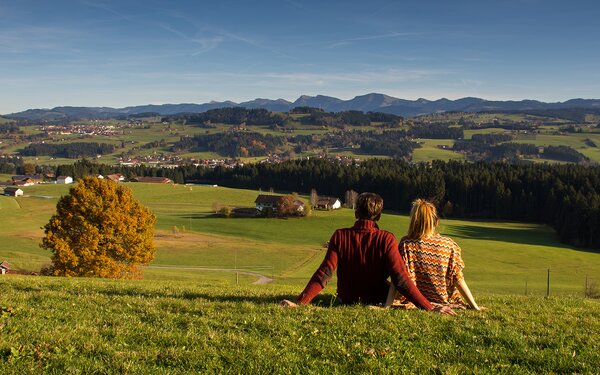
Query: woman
x=433, y=261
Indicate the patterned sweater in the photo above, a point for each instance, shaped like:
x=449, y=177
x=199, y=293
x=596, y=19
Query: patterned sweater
x=435, y=265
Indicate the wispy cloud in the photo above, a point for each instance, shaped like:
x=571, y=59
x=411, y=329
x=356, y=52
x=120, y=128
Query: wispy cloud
x=351, y=40
x=201, y=44
x=306, y=78
x=23, y=39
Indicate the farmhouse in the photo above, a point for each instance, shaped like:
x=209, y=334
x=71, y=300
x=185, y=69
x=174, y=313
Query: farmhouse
x=117, y=177
x=26, y=180
x=12, y=191
x=64, y=180
x=264, y=201
x=4, y=268
x=328, y=203
x=269, y=202
x=154, y=180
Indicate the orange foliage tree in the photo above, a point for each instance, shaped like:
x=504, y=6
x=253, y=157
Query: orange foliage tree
x=99, y=230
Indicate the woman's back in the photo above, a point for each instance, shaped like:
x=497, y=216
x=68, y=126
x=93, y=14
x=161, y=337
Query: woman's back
x=435, y=265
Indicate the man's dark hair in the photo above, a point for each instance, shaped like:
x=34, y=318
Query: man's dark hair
x=368, y=206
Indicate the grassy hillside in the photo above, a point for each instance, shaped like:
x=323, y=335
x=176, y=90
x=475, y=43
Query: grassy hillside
x=86, y=326
x=500, y=257
x=183, y=318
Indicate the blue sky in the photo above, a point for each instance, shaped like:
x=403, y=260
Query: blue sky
x=130, y=52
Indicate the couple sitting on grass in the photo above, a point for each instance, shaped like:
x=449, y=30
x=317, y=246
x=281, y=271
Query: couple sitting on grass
x=425, y=270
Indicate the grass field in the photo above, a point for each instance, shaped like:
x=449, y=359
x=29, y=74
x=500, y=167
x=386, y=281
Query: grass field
x=52, y=325
x=430, y=150
x=183, y=319
x=501, y=257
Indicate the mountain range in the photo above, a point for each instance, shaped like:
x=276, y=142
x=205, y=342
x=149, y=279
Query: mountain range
x=369, y=102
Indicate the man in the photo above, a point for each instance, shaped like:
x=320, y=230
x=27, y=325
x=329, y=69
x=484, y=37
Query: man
x=364, y=257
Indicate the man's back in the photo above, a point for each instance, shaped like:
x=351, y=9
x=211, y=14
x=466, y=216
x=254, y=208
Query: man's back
x=362, y=271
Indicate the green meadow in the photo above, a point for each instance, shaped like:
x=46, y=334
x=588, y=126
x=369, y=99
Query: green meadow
x=73, y=326
x=199, y=310
x=500, y=257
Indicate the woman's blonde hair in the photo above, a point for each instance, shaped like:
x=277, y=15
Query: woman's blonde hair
x=423, y=219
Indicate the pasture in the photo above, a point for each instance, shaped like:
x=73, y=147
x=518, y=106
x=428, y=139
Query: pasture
x=500, y=257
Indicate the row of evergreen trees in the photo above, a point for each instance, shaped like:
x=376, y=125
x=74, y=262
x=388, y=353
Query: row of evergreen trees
x=566, y=197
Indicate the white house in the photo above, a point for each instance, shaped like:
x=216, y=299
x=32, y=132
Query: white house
x=12, y=191
x=328, y=203
x=64, y=180
x=4, y=267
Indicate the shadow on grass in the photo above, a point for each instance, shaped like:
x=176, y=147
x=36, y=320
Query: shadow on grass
x=519, y=236
x=272, y=299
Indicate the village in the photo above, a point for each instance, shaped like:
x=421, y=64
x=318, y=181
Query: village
x=81, y=129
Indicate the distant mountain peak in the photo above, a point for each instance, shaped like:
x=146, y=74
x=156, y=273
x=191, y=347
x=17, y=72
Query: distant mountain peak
x=375, y=102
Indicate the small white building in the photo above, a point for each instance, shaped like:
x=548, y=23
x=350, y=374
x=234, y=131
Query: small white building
x=64, y=180
x=328, y=203
x=4, y=267
x=12, y=191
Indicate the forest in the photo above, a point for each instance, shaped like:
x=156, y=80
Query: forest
x=68, y=150
x=232, y=116
x=232, y=144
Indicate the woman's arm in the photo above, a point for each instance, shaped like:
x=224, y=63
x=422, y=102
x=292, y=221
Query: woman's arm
x=464, y=290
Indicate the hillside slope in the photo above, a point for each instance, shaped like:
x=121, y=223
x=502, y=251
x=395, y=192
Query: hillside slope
x=85, y=326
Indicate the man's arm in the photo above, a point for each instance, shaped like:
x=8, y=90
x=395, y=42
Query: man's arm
x=322, y=275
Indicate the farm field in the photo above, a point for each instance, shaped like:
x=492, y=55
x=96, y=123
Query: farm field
x=430, y=150
x=500, y=257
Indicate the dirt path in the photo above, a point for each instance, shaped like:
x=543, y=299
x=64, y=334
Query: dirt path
x=262, y=279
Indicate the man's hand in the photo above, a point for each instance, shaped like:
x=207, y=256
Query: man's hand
x=288, y=303
x=446, y=310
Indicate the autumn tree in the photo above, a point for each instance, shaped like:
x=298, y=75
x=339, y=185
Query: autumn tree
x=99, y=230
x=289, y=205
x=28, y=169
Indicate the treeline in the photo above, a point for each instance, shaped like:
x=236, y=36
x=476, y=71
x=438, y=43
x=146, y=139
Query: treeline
x=231, y=144
x=10, y=128
x=231, y=116
x=68, y=150
x=261, y=116
x=566, y=197
x=487, y=147
x=395, y=143
x=390, y=143
x=436, y=131
x=577, y=115
x=348, y=118
x=11, y=164
x=399, y=148
x=563, y=153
